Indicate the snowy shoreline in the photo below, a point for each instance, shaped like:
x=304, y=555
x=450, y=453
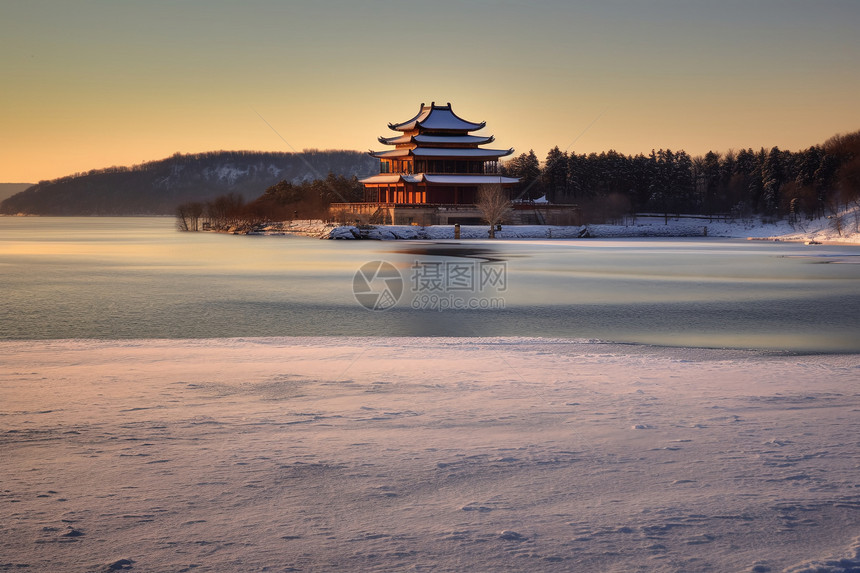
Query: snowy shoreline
x=815, y=231
x=444, y=454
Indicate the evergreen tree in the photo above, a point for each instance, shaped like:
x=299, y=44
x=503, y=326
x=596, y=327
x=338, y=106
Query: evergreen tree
x=658, y=185
x=527, y=167
x=771, y=180
x=807, y=164
x=682, y=186
x=641, y=176
x=710, y=180
x=555, y=176
x=575, y=176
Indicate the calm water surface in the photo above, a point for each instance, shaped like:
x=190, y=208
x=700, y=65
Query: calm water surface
x=139, y=278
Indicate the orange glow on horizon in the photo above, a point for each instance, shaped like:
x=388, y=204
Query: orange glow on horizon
x=92, y=88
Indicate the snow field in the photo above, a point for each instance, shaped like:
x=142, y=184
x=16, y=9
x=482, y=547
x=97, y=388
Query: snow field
x=384, y=454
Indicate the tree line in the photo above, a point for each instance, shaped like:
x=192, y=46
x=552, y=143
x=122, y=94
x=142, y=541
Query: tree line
x=769, y=182
x=282, y=201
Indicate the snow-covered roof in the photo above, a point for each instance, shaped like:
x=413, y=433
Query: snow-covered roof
x=404, y=152
x=437, y=117
x=466, y=179
x=453, y=179
x=442, y=152
x=458, y=152
x=390, y=178
x=438, y=139
x=381, y=178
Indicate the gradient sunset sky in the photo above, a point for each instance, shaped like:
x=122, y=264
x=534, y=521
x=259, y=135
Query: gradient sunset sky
x=89, y=84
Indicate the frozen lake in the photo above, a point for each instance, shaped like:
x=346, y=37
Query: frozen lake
x=116, y=278
x=507, y=439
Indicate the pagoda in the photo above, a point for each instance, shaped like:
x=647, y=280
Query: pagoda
x=433, y=173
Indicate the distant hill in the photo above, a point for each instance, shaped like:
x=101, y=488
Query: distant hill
x=9, y=189
x=157, y=187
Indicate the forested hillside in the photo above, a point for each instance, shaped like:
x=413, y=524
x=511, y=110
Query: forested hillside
x=9, y=189
x=157, y=187
x=816, y=181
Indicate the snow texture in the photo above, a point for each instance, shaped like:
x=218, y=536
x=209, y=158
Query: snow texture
x=443, y=152
x=457, y=152
x=817, y=230
x=385, y=454
x=442, y=117
x=465, y=178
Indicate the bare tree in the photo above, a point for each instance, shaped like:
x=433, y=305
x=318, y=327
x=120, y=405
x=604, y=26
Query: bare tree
x=494, y=205
x=226, y=210
x=188, y=216
x=182, y=219
x=195, y=211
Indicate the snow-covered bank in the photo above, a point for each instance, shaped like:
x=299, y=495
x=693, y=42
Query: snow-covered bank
x=382, y=454
x=818, y=230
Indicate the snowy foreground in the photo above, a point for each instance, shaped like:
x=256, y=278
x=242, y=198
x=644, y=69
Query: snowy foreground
x=381, y=454
x=822, y=230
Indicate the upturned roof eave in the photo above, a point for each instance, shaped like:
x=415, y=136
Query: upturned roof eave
x=397, y=126
x=425, y=115
x=465, y=139
x=439, y=179
x=443, y=152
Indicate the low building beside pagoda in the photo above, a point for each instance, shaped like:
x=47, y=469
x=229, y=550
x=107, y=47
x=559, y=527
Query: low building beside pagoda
x=433, y=174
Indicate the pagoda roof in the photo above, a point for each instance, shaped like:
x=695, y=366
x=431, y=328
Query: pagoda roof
x=442, y=152
x=444, y=179
x=382, y=178
x=438, y=139
x=465, y=179
x=437, y=117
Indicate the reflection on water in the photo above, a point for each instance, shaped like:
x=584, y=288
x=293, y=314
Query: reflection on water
x=139, y=278
x=450, y=249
